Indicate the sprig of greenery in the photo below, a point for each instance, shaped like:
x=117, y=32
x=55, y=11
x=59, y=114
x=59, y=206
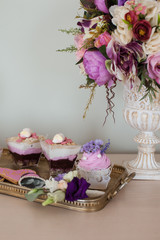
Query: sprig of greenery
x=70, y=49
x=147, y=82
x=158, y=19
x=73, y=31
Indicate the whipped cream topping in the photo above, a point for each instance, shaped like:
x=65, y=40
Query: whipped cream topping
x=58, y=138
x=94, y=161
x=26, y=133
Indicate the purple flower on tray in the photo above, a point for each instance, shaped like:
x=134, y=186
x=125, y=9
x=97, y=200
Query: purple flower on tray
x=98, y=142
x=59, y=177
x=77, y=189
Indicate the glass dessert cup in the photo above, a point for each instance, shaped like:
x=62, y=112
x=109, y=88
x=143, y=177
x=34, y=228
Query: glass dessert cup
x=28, y=160
x=61, y=166
x=61, y=158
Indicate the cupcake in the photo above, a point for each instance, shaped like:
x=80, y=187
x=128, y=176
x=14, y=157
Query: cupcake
x=61, y=153
x=94, y=165
x=25, y=148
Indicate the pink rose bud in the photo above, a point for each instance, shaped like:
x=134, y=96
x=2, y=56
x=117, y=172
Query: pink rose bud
x=102, y=39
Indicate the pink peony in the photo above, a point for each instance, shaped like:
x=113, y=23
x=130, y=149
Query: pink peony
x=102, y=39
x=79, y=42
x=94, y=64
x=101, y=5
x=153, y=66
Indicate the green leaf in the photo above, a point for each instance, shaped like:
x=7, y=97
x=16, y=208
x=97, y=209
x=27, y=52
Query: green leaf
x=150, y=97
x=144, y=96
x=141, y=84
x=102, y=50
x=128, y=23
x=89, y=4
x=89, y=81
x=158, y=19
x=32, y=195
x=141, y=16
x=108, y=64
x=80, y=61
x=153, y=92
x=129, y=27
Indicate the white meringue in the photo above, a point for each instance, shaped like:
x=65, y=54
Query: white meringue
x=26, y=133
x=58, y=138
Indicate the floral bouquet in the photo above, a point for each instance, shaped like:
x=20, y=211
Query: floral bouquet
x=63, y=187
x=118, y=40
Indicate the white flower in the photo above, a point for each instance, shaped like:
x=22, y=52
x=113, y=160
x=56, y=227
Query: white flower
x=62, y=184
x=118, y=14
x=122, y=34
x=58, y=196
x=152, y=10
x=51, y=184
x=70, y=175
x=153, y=44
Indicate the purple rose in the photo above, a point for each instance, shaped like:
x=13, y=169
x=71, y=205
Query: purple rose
x=94, y=64
x=124, y=58
x=77, y=189
x=153, y=66
x=101, y=5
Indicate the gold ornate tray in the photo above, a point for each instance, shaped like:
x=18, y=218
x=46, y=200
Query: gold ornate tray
x=96, y=200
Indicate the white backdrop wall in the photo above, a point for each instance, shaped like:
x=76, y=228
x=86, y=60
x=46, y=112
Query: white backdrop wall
x=39, y=86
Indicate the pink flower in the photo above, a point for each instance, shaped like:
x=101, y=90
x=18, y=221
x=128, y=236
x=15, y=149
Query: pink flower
x=140, y=9
x=102, y=39
x=131, y=17
x=131, y=2
x=79, y=42
x=153, y=67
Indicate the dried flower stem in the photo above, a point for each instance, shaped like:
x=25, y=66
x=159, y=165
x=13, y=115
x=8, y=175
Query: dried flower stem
x=92, y=88
x=109, y=101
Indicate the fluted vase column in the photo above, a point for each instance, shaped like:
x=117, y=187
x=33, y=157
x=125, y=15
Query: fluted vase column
x=145, y=117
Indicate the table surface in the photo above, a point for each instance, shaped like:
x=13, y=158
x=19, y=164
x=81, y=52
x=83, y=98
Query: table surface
x=133, y=214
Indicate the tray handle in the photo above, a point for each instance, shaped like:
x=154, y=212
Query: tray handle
x=122, y=184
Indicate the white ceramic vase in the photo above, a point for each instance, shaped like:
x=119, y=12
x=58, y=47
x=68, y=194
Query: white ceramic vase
x=145, y=117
